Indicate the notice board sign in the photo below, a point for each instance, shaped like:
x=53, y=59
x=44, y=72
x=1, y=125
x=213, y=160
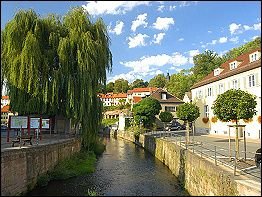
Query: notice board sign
x=45, y=123
x=35, y=123
x=18, y=122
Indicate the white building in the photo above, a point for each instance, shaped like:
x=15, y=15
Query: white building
x=243, y=72
x=5, y=101
x=111, y=99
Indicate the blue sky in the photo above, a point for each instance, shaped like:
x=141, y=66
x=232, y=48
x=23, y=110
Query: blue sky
x=155, y=37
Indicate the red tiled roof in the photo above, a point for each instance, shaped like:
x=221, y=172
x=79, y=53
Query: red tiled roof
x=5, y=97
x=244, y=65
x=150, y=89
x=136, y=99
x=5, y=109
x=109, y=95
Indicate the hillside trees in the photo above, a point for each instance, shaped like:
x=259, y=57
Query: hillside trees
x=158, y=81
x=121, y=86
x=54, y=66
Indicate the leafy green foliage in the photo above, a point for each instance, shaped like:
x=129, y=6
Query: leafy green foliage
x=188, y=112
x=180, y=83
x=53, y=66
x=107, y=122
x=145, y=111
x=158, y=81
x=139, y=83
x=110, y=87
x=234, y=105
x=166, y=116
x=120, y=86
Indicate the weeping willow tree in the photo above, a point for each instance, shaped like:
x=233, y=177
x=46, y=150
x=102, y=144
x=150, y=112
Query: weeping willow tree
x=55, y=66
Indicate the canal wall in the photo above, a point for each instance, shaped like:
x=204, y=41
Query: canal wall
x=20, y=168
x=199, y=176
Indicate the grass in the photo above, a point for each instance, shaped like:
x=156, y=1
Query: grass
x=80, y=163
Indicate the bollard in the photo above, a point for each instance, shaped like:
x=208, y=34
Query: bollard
x=235, y=163
x=215, y=155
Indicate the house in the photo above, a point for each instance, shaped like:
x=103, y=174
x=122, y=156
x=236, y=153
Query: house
x=187, y=97
x=243, y=72
x=5, y=101
x=137, y=94
x=5, y=113
x=111, y=99
x=167, y=101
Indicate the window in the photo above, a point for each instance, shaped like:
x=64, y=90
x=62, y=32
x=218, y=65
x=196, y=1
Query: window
x=209, y=91
x=163, y=96
x=253, y=57
x=170, y=109
x=199, y=94
x=233, y=66
x=251, y=80
x=235, y=84
x=206, y=111
x=220, y=88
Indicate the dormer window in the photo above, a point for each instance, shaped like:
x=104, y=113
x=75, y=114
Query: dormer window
x=233, y=65
x=217, y=71
x=163, y=96
x=254, y=56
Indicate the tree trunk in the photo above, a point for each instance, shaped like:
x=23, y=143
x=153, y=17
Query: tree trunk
x=187, y=133
x=237, y=142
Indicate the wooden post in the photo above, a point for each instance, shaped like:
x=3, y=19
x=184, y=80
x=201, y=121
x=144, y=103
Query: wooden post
x=28, y=126
x=245, y=148
x=229, y=144
x=40, y=128
x=8, y=129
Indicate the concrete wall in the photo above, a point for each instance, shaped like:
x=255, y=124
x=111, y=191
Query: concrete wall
x=199, y=176
x=21, y=167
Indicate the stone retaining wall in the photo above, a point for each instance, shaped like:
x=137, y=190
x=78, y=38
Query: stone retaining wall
x=199, y=176
x=21, y=167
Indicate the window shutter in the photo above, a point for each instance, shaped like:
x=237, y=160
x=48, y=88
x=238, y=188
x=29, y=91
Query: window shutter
x=244, y=82
x=257, y=81
x=238, y=83
x=229, y=86
x=212, y=90
x=205, y=92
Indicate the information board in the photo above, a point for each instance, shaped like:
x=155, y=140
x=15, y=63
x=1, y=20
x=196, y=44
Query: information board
x=18, y=121
x=45, y=123
x=34, y=123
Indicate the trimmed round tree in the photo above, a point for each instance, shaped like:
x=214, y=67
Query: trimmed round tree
x=234, y=105
x=165, y=116
x=187, y=112
x=145, y=111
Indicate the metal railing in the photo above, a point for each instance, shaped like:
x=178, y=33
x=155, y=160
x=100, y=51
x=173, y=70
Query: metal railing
x=241, y=165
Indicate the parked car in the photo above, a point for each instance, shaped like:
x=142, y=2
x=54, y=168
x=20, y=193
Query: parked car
x=258, y=158
x=175, y=126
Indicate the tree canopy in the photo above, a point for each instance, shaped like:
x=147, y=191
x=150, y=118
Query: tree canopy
x=146, y=110
x=139, y=83
x=121, y=86
x=158, y=81
x=234, y=105
x=166, y=116
x=188, y=112
x=54, y=66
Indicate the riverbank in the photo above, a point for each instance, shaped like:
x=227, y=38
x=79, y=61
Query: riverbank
x=199, y=176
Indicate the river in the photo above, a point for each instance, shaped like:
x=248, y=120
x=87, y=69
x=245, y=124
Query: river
x=124, y=169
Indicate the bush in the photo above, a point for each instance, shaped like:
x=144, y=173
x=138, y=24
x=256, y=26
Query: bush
x=166, y=116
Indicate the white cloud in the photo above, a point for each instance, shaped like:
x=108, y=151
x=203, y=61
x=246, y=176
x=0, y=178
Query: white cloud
x=233, y=28
x=187, y=3
x=130, y=77
x=140, y=20
x=209, y=32
x=238, y=29
x=118, y=28
x=138, y=40
x=254, y=37
x=158, y=38
x=163, y=23
x=234, y=40
x=157, y=72
x=181, y=39
x=172, y=7
x=222, y=40
x=160, y=8
x=193, y=53
x=112, y=7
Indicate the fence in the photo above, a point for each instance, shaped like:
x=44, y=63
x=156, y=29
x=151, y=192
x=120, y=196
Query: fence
x=244, y=164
